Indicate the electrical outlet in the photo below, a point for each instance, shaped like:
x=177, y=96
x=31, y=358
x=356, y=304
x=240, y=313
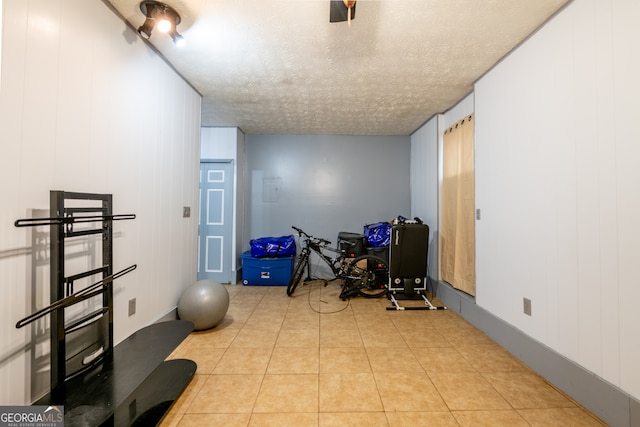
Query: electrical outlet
x=132, y=307
x=527, y=306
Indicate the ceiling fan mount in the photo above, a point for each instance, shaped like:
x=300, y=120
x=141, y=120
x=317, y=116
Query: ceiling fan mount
x=342, y=10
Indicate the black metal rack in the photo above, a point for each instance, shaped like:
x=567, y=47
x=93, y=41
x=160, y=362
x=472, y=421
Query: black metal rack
x=78, y=344
x=89, y=376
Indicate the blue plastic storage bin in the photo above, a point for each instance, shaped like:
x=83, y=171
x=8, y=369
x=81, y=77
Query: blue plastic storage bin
x=266, y=271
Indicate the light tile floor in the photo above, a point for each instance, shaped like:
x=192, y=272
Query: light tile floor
x=313, y=360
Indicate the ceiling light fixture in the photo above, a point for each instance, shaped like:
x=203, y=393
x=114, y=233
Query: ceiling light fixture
x=161, y=16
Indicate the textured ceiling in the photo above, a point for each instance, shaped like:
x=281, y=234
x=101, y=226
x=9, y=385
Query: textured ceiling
x=280, y=67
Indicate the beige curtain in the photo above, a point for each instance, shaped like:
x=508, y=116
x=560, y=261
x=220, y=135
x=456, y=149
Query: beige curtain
x=457, y=257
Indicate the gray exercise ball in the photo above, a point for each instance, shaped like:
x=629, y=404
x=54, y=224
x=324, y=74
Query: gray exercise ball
x=204, y=303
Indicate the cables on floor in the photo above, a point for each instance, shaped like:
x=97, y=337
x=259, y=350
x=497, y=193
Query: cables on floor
x=321, y=301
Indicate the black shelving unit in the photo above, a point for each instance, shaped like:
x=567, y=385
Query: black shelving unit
x=97, y=383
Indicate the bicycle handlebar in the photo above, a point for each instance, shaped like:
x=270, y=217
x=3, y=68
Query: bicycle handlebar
x=310, y=237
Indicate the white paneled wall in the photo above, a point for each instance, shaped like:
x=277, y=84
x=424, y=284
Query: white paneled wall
x=557, y=181
x=424, y=181
x=86, y=106
x=458, y=112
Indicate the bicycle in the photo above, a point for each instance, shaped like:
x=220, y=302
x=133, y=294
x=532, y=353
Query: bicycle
x=365, y=275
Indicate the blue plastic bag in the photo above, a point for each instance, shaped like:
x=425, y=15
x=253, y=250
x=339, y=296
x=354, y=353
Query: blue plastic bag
x=378, y=234
x=282, y=246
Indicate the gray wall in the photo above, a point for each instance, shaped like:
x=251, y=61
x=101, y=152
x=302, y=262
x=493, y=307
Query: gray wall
x=324, y=184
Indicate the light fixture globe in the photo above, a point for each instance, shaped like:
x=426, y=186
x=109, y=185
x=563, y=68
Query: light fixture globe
x=161, y=16
x=164, y=25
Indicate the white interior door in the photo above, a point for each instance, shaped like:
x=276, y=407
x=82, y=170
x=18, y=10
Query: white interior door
x=216, y=221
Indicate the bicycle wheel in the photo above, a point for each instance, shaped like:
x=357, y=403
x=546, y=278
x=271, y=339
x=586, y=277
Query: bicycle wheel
x=297, y=273
x=370, y=274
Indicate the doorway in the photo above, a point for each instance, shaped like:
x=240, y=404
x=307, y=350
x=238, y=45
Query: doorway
x=215, y=229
